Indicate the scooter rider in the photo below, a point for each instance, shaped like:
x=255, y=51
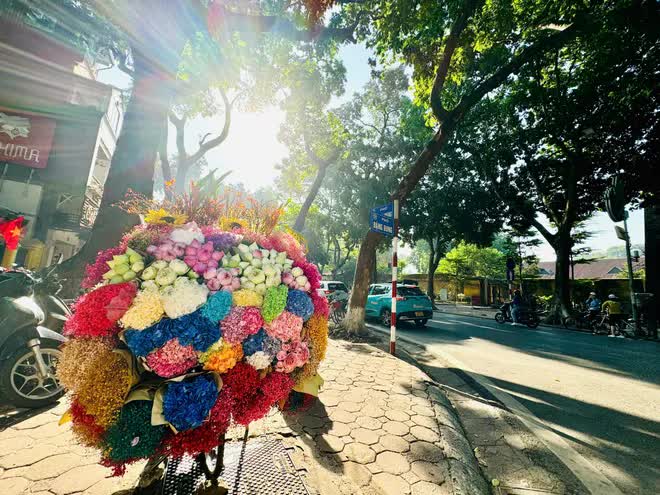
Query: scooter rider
x=593, y=306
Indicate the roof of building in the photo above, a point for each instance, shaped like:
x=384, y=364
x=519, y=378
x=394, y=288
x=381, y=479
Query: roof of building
x=598, y=269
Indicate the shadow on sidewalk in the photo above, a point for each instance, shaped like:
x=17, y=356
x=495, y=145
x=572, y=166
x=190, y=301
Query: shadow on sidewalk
x=311, y=426
x=11, y=416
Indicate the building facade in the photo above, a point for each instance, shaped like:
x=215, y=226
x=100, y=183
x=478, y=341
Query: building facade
x=58, y=129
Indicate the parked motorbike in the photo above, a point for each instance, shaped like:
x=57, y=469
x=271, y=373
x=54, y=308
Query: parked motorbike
x=526, y=316
x=32, y=317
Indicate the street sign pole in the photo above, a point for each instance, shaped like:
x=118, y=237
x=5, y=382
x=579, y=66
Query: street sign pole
x=395, y=247
x=630, y=271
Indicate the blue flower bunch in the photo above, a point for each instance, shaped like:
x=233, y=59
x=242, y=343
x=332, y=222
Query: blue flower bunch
x=192, y=329
x=254, y=343
x=217, y=306
x=300, y=304
x=142, y=342
x=187, y=404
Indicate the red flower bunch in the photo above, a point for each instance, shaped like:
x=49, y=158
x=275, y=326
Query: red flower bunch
x=94, y=272
x=96, y=313
x=321, y=305
x=250, y=398
x=84, y=425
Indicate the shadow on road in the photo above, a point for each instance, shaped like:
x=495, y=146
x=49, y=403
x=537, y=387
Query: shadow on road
x=621, y=357
x=10, y=416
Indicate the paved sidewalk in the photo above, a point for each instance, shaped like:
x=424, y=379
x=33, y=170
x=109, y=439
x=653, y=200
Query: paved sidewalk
x=381, y=427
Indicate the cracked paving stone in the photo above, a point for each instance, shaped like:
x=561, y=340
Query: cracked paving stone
x=358, y=473
x=393, y=462
x=423, y=410
x=372, y=411
x=395, y=415
x=359, y=453
x=342, y=416
x=367, y=437
x=13, y=486
x=430, y=471
x=330, y=400
x=425, y=434
x=25, y=457
x=78, y=479
x=396, y=428
x=349, y=406
x=339, y=429
x=394, y=443
x=369, y=423
x=388, y=484
x=424, y=451
x=14, y=444
x=51, y=467
x=424, y=421
x=329, y=443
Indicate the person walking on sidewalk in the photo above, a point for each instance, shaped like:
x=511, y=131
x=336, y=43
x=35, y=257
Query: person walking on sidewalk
x=612, y=308
x=516, y=304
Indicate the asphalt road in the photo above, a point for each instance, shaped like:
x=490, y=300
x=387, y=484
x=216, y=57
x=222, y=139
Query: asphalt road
x=599, y=395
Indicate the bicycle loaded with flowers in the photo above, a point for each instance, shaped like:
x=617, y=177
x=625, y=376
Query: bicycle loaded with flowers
x=206, y=315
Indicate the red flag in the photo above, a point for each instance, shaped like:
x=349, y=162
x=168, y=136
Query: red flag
x=11, y=232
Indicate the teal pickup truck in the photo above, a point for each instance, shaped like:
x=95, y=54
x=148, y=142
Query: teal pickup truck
x=412, y=304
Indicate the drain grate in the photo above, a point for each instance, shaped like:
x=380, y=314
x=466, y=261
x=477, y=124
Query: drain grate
x=258, y=467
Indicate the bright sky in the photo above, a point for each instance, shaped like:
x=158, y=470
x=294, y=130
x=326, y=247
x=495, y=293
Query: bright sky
x=252, y=149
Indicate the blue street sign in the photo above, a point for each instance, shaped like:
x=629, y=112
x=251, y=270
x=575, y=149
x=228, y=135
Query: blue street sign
x=381, y=220
x=385, y=210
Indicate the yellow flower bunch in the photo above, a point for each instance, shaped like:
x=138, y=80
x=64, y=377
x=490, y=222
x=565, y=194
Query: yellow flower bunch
x=146, y=310
x=247, y=297
x=221, y=356
x=316, y=331
x=161, y=216
x=99, y=378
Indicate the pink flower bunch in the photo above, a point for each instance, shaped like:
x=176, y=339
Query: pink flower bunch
x=292, y=355
x=222, y=279
x=201, y=257
x=321, y=305
x=172, y=359
x=286, y=326
x=94, y=273
x=311, y=272
x=240, y=323
x=167, y=250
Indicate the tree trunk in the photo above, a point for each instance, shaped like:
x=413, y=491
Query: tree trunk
x=299, y=224
x=430, y=284
x=132, y=166
x=354, y=321
x=182, y=167
x=562, y=294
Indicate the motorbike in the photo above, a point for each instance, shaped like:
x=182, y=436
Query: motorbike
x=526, y=316
x=32, y=317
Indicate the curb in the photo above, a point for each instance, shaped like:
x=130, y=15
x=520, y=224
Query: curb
x=464, y=470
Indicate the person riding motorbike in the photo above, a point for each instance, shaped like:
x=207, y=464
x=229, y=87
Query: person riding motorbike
x=516, y=305
x=593, y=306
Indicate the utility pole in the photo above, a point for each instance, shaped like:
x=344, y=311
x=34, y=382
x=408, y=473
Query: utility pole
x=630, y=271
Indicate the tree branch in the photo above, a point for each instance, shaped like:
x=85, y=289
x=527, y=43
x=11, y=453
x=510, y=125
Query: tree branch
x=180, y=125
x=439, y=111
x=205, y=146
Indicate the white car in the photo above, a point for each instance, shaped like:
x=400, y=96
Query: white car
x=334, y=289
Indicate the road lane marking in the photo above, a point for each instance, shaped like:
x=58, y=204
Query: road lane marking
x=590, y=476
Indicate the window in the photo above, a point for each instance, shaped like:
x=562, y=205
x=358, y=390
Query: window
x=378, y=290
x=409, y=291
x=337, y=286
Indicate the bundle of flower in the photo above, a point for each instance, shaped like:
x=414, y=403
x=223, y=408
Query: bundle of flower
x=187, y=329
